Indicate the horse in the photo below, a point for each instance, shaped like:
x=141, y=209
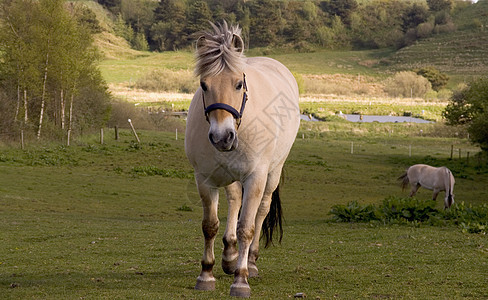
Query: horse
x=432, y=178
x=241, y=125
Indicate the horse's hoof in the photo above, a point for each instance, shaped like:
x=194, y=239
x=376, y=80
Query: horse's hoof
x=240, y=290
x=229, y=267
x=253, y=271
x=205, y=285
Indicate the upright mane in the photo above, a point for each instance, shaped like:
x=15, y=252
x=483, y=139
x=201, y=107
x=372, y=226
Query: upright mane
x=216, y=51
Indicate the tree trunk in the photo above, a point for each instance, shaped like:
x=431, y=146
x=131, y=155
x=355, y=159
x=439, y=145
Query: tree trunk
x=18, y=104
x=25, y=107
x=70, y=124
x=43, y=97
x=62, y=108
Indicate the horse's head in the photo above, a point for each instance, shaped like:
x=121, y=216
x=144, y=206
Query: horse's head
x=222, y=84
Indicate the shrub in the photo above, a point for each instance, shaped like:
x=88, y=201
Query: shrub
x=353, y=212
x=406, y=209
x=407, y=84
x=437, y=79
x=471, y=219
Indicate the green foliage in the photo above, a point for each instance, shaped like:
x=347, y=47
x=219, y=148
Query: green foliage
x=469, y=106
x=48, y=68
x=353, y=212
x=394, y=210
x=437, y=79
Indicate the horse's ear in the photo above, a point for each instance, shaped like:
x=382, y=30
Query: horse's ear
x=238, y=43
x=201, y=42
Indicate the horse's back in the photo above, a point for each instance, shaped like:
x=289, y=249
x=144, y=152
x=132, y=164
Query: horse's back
x=275, y=72
x=428, y=176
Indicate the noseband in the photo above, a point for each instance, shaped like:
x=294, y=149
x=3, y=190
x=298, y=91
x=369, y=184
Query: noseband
x=236, y=114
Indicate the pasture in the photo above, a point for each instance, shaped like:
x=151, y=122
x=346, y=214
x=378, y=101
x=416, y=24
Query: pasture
x=122, y=220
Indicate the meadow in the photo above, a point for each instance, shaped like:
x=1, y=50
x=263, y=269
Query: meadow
x=122, y=220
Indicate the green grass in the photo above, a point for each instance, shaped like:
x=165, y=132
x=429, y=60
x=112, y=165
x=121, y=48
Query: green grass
x=130, y=70
x=103, y=221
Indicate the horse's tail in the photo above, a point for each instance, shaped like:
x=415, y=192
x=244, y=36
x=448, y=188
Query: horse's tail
x=274, y=219
x=449, y=186
x=404, y=180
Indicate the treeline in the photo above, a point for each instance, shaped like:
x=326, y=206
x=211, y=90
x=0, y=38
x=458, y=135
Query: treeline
x=346, y=24
x=49, y=78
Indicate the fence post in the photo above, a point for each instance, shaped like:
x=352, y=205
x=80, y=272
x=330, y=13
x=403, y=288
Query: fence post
x=116, y=132
x=352, y=147
x=134, y=131
x=452, y=150
x=409, y=150
x=467, y=158
x=176, y=133
x=459, y=153
x=101, y=136
x=68, y=137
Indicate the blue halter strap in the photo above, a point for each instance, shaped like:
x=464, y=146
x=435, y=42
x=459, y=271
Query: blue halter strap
x=236, y=114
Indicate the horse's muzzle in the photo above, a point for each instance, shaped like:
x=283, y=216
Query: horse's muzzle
x=225, y=141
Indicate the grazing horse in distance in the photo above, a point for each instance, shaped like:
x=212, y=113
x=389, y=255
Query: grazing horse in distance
x=241, y=125
x=436, y=179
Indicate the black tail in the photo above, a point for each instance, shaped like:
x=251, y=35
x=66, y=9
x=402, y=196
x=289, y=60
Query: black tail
x=274, y=219
x=404, y=181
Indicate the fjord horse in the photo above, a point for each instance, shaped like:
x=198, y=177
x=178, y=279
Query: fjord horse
x=436, y=179
x=241, y=125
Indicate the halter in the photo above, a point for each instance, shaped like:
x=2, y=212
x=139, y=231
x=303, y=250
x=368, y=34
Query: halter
x=236, y=114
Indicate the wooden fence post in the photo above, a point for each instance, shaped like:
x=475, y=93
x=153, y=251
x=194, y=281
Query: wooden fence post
x=134, y=131
x=116, y=132
x=452, y=150
x=68, y=137
x=467, y=158
x=101, y=136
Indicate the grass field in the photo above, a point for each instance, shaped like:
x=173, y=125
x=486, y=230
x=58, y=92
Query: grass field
x=122, y=220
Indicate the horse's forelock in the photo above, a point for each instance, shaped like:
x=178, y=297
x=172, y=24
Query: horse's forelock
x=217, y=53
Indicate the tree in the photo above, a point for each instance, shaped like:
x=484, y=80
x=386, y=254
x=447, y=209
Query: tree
x=437, y=79
x=168, y=31
x=265, y=22
x=469, y=106
x=198, y=17
x=414, y=16
x=46, y=54
x=439, y=5
x=341, y=8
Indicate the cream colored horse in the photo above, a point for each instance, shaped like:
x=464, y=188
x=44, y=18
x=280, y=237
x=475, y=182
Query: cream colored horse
x=241, y=125
x=436, y=179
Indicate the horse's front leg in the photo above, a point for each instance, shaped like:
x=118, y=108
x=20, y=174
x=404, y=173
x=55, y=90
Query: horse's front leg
x=253, y=193
x=210, y=227
x=230, y=254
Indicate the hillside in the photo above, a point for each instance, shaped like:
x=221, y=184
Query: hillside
x=462, y=53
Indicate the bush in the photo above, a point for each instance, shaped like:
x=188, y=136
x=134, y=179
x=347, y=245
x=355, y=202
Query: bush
x=407, y=84
x=406, y=209
x=394, y=210
x=353, y=212
x=437, y=79
x=166, y=80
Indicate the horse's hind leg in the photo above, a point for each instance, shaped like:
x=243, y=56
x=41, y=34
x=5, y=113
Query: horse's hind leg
x=253, y=193
x=415, y=188
x=434, y=195
x=230, y=254
x=271, y=185
x=210, y=227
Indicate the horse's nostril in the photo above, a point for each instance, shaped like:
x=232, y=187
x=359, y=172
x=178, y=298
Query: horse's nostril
x=210, y=137
x=230, y=137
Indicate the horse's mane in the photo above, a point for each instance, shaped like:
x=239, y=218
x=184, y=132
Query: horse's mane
x=218, y=52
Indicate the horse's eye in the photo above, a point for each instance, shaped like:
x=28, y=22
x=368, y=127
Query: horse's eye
x=203, y=85
x=239, y=85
